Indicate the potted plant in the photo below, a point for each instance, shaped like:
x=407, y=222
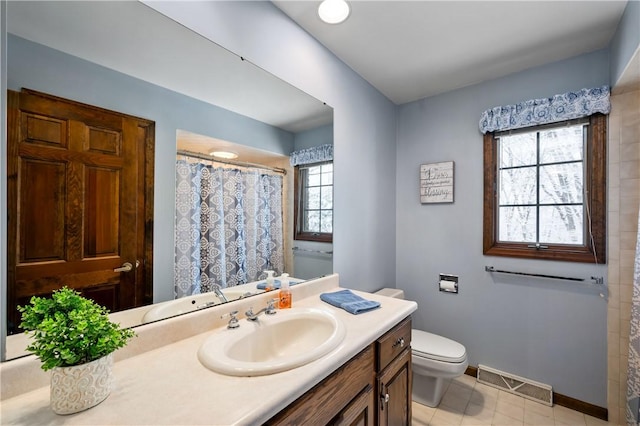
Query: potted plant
x=74, y=338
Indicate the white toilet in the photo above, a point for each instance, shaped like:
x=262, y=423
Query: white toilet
x=435, y=360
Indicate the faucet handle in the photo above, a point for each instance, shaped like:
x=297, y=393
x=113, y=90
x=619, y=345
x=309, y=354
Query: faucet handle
x=271, y=306
x=233, y=319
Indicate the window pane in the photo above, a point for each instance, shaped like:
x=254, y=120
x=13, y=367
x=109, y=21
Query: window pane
x=562, y=144
x=314, y=180
x=314, y=170
x=312, y=221
x=327, y=168
x=561, y=224
x=561, y=183
x=313, y=198
x=327, y=178
x=327, y=221
x=517, y=224
x=327, y=197
x=517, y=150
x=518, y=186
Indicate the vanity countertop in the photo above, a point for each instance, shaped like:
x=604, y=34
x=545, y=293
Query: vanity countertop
x=168, y=385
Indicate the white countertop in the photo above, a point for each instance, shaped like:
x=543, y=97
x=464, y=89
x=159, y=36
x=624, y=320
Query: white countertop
x=168, y=385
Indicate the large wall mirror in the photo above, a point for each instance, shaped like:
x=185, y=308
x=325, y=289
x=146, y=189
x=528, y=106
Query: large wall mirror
x=128, y=58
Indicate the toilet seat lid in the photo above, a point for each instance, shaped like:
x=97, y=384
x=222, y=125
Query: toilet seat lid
x=436, y=347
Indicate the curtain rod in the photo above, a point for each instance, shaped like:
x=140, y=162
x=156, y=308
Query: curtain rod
x=231, y=162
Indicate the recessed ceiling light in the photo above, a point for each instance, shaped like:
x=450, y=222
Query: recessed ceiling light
x=227, y=155
x=333, y=11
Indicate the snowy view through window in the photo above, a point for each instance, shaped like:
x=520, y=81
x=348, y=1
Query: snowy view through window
x=540, y=181
x=318, y=199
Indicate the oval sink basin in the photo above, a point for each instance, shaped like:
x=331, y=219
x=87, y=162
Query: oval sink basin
x=289, y=339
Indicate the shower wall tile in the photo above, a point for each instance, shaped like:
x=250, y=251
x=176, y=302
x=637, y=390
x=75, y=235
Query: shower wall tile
x=626, y=293
x=629, y=170
x=623, y=187
x=629, y=222
x=613, y=200
x=630, y=152
x=613, y=317
x=630, y=134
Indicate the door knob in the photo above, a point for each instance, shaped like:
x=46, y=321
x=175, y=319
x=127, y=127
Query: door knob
x=126, y=267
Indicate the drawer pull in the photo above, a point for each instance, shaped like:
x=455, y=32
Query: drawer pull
x=399, y=342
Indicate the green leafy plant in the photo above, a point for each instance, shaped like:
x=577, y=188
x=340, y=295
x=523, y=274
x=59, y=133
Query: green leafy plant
x=68, y=329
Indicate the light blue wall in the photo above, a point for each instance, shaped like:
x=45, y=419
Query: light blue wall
x=40, y=68
x=551, y=331
x=625, y=41
x=322, y=135
x=364, y=125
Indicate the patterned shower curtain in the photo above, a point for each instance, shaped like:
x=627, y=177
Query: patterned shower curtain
x=229, y=226
x=633, y=371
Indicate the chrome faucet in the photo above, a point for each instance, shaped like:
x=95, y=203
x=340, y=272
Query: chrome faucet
x=219, y=293
x=270, y=309
x=233, y=319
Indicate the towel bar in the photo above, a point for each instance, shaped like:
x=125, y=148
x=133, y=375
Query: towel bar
x=596, y=280
x=312, y=251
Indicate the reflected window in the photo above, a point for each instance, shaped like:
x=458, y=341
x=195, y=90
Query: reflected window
x=314, y=202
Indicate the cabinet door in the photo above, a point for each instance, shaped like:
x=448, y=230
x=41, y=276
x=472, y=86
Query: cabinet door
x=394, y=392
x=359, y=412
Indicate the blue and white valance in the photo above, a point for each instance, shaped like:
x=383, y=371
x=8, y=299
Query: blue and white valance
x=316, y=154
x=565, y=106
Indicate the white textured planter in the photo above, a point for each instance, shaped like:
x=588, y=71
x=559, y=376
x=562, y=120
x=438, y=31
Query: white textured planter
x=80, y=387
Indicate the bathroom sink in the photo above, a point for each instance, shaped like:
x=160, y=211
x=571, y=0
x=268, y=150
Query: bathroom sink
x=272, y=344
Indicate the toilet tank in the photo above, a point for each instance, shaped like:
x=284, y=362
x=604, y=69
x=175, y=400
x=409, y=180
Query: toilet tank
x=391, y=292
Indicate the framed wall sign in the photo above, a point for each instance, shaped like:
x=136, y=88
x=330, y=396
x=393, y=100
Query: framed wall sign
x=436, y=183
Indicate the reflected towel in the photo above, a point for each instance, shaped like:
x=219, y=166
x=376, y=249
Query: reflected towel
x=349, y=301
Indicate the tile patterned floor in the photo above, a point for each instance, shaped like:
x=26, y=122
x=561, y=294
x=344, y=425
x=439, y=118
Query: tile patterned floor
x=467, y=402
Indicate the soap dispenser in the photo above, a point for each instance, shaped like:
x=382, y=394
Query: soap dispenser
x=269, y=283
x=285, y=292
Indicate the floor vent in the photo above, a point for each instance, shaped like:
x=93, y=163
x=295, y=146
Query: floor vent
x=517, y=385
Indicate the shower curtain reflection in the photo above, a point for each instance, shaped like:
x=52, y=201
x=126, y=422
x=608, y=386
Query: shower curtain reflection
x=229, y=226
x=633, y=370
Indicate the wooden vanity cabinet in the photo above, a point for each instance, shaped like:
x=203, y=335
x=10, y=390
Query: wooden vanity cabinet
x=336, y=399
x=373, y=388
x=359, y=412
x=394, y=379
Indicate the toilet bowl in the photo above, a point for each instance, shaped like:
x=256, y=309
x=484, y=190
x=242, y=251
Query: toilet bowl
x=435, y=360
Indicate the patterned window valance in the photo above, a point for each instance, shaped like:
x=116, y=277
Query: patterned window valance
x=565, y=106
x=316, y=154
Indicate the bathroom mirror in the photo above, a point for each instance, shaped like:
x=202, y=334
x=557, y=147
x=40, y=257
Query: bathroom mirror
x=165, y=73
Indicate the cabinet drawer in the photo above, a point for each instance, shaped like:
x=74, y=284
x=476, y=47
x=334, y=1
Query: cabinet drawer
x=393, y=343
x=322, y=403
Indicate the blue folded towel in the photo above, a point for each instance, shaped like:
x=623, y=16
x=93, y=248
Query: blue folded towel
x=276, y=284
x=349, y=301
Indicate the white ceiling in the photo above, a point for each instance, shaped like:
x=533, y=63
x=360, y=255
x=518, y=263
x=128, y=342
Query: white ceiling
x=410, y=50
